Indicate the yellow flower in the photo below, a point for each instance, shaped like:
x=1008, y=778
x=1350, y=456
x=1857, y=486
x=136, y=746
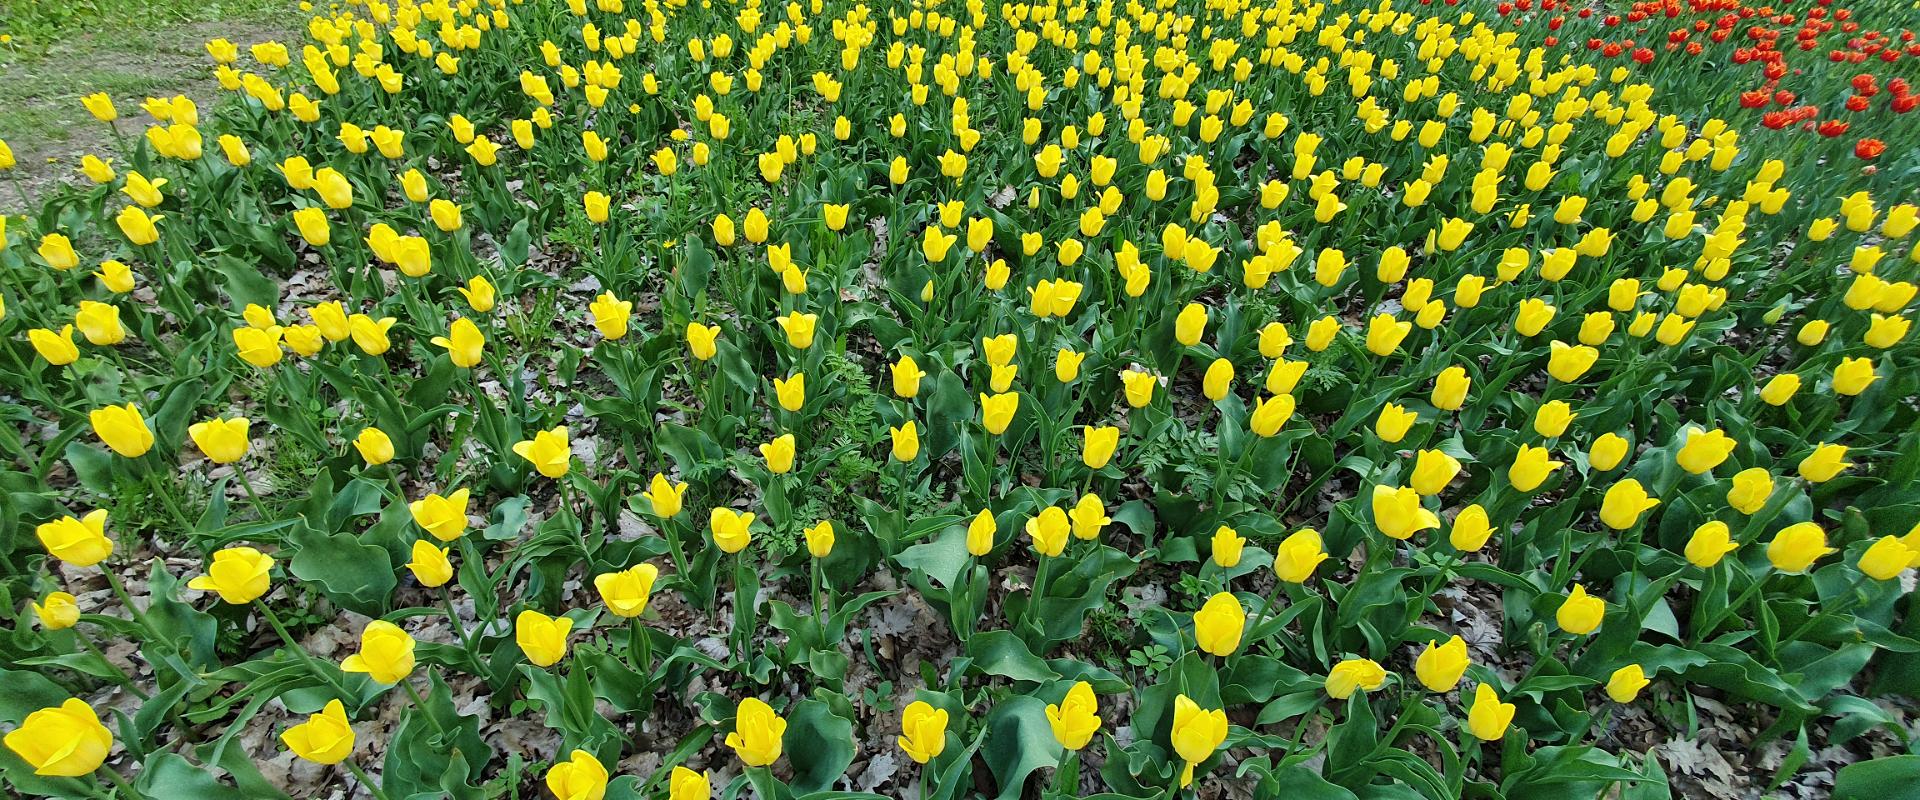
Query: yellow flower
x=1489, y=718
x=1219, y=380
x=57, y=349
x=685, y=784
x=1440, y=666
x=1624, y=503
x=1797, y=546
x=1299, y=555
x=580, y=777
x=980, y=533
x=100, y=323
x=799, y=328
x=757, y=733
x=1530, y=468
x=997, y=410
x=1384, y=334
x=386, y=653
x=1852, y=376
x=548, y=451
x=238, y=574
x=1139, y=387
x=331, y=318
x=1703, y=450
x=59, y=611
x=999, y=350
x=374, y=445
x=1227, y=547
x=1049, y=531
x=1626, y=682
x=443, y=517
x=123, y=429
x=1432, y=471
x=1218, y=625
x=1607, y=451
x=1354, y=674
x=100, y=106
x=1580, y=613
x=665, y=496
x=792, y=392
x=1886, y=558
x=430, y=565
x=906, y=441
x=906, y=376
x=1825, y=462
x=626, y=592
x=1398, y=514
x=259, y=347
x=820, y=539
x=224, y=441
x=1471, y=529
x=1709, y=543
x=325, y=738
x=779, y=454
x=1190, y=324
x=702, y=340
x=1076, y=719
x=57, y=250
x=81, y=542
x=1551, y=418
x=369, y=334
x=64, y=741
x=611, y=315
x=542, y=638
x=923, y=731
x=1394, y=421
x=935, y=243
x=1533, y=316
x=1450, y=389
x=732, y=530
x=1196, y=733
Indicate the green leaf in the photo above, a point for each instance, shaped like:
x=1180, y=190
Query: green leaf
x=1018, y=741
x=356, y=575
x=1879, y=779
x=819, y=744
x=999, y=652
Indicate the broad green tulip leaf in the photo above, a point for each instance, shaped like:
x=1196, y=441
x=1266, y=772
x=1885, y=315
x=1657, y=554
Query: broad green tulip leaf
x=1000, y=652
x=1018, y=742
x=819, y=744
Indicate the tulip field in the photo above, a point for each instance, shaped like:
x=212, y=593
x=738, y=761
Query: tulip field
x=940, y=399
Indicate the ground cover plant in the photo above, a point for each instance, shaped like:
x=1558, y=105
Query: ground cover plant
x=834, y=400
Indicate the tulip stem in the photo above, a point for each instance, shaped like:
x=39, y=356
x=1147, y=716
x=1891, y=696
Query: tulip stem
x=459, y=628
x=1713, y=622
x=420, y=704
x=119, y=675
x=120, y=591
x=166, y=501
x=361, y=776
x=1847, y=603
x=120, y=784
x=307, y=658
x=253, y=497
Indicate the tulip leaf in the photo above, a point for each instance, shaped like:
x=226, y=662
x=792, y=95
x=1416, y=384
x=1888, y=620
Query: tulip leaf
x=940, y=559
x=1019, y=741
x=356, y=575
x=246, y=284
x=170, y=775
x=1000, y=652
x=819, y=744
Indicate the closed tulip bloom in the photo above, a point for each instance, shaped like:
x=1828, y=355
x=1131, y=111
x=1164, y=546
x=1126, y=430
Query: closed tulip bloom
x=791, y=392
x=906, y=441
x=664, y=496
x=1704, y=450
x=1384, y=334
x=778, y=454
x=101, y=107
x=63, y=741
x=542, y=638
x=1320, y=334
x=81, y=542
x=1852, y=376
x=1076, y=719
x=1886, y=558
x=464, y=343
x=1780, y=388
x=580, y=777
x=1089, y=517
x=443, y=517
x=1196, y=734
x=1797, y=546
x=1218, y=625
x=1825, y=462
x=611, y=315
x=1398, y=514
x=757, y=733
x=238, y=574
x=1489, y=718
x=980, y=532
x=1581, y=613
x=626, y=592
x=1432, y=471
x=1471, y=529
x=1607, y=451
x=138, y=226
x=732, y=530
x=548, y=451
x=1530, y=468
x=370, y=334
x=374, y=446
x=1812, y=333
x=799, y=329
x=1098, y=445
x=1533, y=316
x=224, y=441
x=1626, y=682
x=1709, y=543
x=1284, y=376
x=1354, y=674
x=1299, y=555
x=100, y=323
x=325, y=738
x=1271, y=414
x=58, y=611
x=430, y=565
x=258, y=347
x=923, y=731
x=123, y=429
x=999, y=350
x=57, y=250
x=1227, y=546
x=331, y=318
x=997, y=410
x=1441, y=666
x=703, y=340
x=1624, y=503
x=1393, y=422
x=820, y=539
x=685, y=784
x=1551, y=418
x=386, y=653
x=906, y=376
x=1049, y=531
x=1450, y=389
x=1219, y=380
x=1190, y=324
x=56, y=349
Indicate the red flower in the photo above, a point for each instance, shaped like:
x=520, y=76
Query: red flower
x=1643, y=56
x=1863, y=84
x=1776, y=119
x=1832, y=128
x=1754, y=99
x=1783, y=97
x=1868, y=149
x=1905, y=103
x=1695, y=48
x=1857, y=102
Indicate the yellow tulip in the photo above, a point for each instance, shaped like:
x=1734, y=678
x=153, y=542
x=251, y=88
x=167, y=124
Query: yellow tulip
x=1139, y=387
x=1552, y=417
x=1432, y=471
x=445, y=518
x=57, y=349
x=542, y=638
x=548, y=450
x=664, y=496
x=611, y=315
x=1623, y=504
x=732, y=530
x=703, y=340
x=374, y=446
x=1393, y=422
x=1886, y=558
x=58, y=611
x=1299, y=555
x=1824, y=463
x=757, y=733
x=1580, y=613
x=1076, y=719
x=1196, y=734
x=1049, y=531
x=906, y=441
x=1190, y=324
x=370, y=334
x=224, y=441
x=1219, y=380
x=1227, y=546
x=1470, y=530
x=997, y=410
x=81, y=542
x=1450, y=389
x=626, y=592
x=685, y=784
x=1853, y=376
x=980, y=532
x=923, y=731
x=57, y=250
x=1489, y=718
x=1440, y=666
x=386, y=653
x=430, y=565
x=1703, y=450
x=906, y=376
x=1626, y=682
x=1218, y=625
x=464, y=342
x=1354, y=674
x=1398, y=514
x=325, y=738
x=1089, y=517
x=778, y=454
x=791, y=392
x=1780, y=388
x=240, y=575
x=123, y=429
x=799, y=329
x=1797, y=546
x=1531, y=467
x=100, y=323
x=63, y=741
x=580, y=777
